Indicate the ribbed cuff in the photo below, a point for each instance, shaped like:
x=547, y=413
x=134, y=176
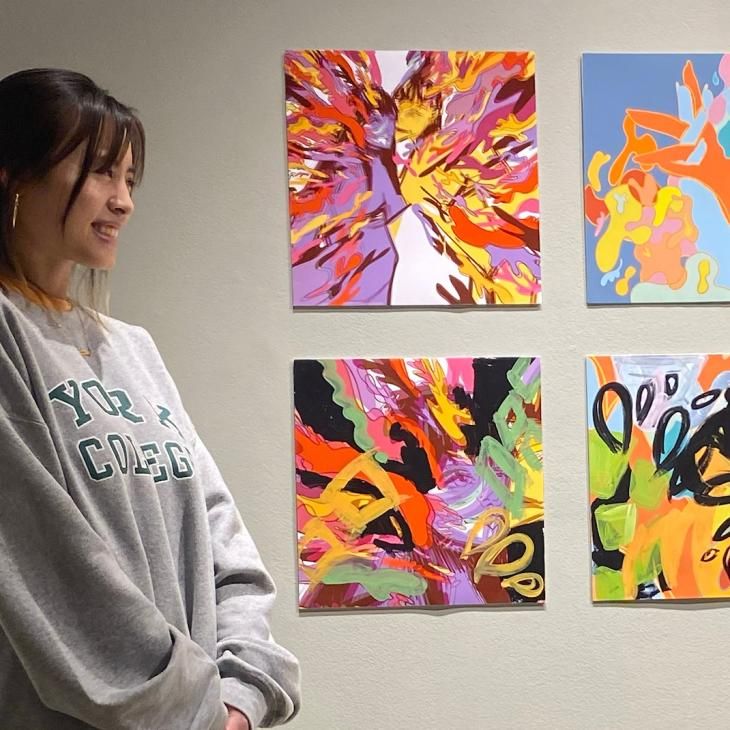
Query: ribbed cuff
x=246, y=698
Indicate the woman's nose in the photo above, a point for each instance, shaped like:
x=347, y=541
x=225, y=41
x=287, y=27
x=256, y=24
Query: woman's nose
x=122, y=202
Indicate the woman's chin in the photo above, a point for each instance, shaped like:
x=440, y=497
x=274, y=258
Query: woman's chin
x=105, y=263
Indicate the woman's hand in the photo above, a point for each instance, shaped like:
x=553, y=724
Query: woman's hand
x=236, y=720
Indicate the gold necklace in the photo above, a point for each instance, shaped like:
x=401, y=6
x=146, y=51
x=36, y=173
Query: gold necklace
x=85, y=351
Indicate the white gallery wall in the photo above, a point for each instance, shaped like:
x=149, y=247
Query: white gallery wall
x=204, y=266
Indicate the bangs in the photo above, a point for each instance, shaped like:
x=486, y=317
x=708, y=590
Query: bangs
x=114, y=134
x=109, y=129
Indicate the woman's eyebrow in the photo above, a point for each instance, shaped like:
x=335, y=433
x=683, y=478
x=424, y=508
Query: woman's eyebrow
x=103, y=154
x=115, y=165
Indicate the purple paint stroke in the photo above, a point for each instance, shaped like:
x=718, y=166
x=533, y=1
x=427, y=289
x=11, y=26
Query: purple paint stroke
x=531, y=372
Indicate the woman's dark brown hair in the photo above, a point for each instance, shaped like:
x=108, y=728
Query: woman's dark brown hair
x=45, y=114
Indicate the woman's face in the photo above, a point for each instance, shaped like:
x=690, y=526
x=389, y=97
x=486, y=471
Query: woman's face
x=92, y=228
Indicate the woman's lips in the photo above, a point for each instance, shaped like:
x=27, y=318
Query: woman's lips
x=107, y=233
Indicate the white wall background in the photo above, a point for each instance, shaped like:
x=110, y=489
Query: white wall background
x=204, y=267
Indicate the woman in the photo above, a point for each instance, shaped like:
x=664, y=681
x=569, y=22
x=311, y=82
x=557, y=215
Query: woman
x=131, y=594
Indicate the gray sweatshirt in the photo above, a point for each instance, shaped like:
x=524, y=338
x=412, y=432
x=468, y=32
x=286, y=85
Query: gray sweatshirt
x=131, y=593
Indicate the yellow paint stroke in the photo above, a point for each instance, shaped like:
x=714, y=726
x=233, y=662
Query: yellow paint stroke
x=441, y=569
x=533, y=508
x=491, y=517
x=304, y=124
x=394, y=226
x=343, y=507
x=414, y=116
x=494, y=545
x=703, y=270
x=326, y=222
x=514, y=127
x=486, y=565
x=622, y=285
x=666, y=198
x=396, y=527
x=598, y=160
x=449, y=416
x=529, y=585
x=354, y=511
x=623, y=209
x=337, y=553
x=466, y=68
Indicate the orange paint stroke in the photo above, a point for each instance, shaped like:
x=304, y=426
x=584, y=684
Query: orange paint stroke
x=319, y=109
x=416, y=511
x=348, y=292
x=505, y=236
x=331, y=460
x=311, y=203
x=528, y=185
x=400, y=563
x=424, y=442
x=640, y=446
x=686, y=585
x=327, y=458
x=642, y=186
x=399, y=366
x=689, y=78
x=606, y=373
x=346, y=265
x=713, y=170
x=634, y=145
x=713, y=366
x=594, y=206
x=661, y=122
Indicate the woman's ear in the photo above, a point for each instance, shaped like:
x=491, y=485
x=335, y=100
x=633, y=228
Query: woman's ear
x=3, y=176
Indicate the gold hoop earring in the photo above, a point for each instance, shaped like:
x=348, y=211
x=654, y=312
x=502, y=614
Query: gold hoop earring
x=15, y=208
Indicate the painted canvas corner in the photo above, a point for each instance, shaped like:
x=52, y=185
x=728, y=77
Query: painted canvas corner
x=413, y=178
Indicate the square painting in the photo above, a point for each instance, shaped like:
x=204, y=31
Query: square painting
x=656, y=155
x=419, y=482
x=659, y=474
x=412, y=178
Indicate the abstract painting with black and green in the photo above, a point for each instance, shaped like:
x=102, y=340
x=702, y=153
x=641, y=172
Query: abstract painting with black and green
x=659, y=472
x=419, y=482
x=656, y=152
x=412, y=178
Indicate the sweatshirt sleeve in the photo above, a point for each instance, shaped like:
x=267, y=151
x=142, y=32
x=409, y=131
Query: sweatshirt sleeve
x=92, y=644
x=259, y=677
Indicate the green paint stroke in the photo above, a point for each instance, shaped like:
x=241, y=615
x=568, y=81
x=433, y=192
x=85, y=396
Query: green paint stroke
x=351, y=412
x=379, y=583
x=648, y=564
x=608, y=584
x=517, y=432
x=647, y=487
x=616, y=524
x=491, y=449
x=522, y=430
x=526, y=391
x=605, y=468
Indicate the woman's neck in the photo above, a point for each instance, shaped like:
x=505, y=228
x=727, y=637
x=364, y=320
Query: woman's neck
x=30, y=290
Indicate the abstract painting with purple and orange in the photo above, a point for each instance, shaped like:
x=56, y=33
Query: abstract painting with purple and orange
x=656, y=152
x=419, y=482
x=413, y=178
